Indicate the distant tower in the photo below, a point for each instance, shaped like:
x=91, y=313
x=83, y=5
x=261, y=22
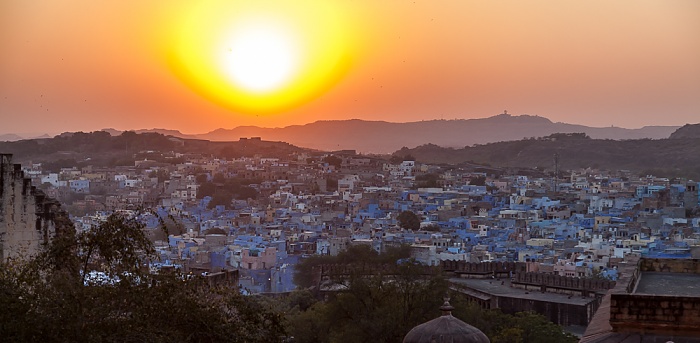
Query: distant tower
x=556, y=171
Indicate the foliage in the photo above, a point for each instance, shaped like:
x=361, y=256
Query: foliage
x=221, y=198
x=49, y=298
x=397, y=157
x=383, y=306
x=478, y=181
x=223, y=190
x=333, y=161
x=379, y=306
x=427, y=180
x=216, y=231
x=331, y=184
x=505, y=328
x=408, y=220
x=355, y=254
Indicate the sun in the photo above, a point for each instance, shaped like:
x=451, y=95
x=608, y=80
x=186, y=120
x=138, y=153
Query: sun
x=263, y=56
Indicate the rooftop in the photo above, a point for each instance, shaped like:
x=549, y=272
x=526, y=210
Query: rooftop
x=676, y=284
x=493, y=286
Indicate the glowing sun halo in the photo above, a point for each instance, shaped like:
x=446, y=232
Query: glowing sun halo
x=262, y=56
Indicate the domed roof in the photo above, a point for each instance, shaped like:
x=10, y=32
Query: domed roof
x=445, y=329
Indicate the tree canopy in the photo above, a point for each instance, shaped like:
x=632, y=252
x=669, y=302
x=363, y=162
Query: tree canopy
x=408, y=220
x=92, y=286
x=385, y=305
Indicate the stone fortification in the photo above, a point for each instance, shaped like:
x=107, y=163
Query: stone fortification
x=482, y=270
x=561, y=284
x=27, y=216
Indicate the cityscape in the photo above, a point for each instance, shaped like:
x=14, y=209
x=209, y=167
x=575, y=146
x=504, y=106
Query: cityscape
x=242, y=176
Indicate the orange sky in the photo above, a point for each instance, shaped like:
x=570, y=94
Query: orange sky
x=75, y=65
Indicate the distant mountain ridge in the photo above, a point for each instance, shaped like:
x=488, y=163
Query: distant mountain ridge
x=10, y=137
x=385, y=137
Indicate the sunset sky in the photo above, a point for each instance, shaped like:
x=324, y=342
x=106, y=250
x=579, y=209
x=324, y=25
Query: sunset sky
x=195, y=66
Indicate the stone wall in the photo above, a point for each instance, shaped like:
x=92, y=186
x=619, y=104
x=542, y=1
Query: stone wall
x=560, y=284
x=27, y=216
x=653, y=313
x=335, y=272
x=483, y=269
x=668, y=265
x=560, y=313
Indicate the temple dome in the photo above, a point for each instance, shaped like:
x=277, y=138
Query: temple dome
x=445, y=329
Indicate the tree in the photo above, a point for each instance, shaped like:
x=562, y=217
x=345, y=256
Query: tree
x=478, y=181
x=382, y=296
x=161, y=174
x=216, y=231
x=201, y=178
x=245, y=192
x=57, y=294
x=331, y=184
x=408, y=220
x=304, y=275
x=427, y=180
x=221, y=198
x=333, y=161
x=219, y=178
x=206, y=189
x=395, y=159
x=386, y=295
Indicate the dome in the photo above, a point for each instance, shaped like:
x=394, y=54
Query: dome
x=445, y=329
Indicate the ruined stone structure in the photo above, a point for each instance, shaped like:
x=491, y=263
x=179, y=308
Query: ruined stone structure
x=28, y=217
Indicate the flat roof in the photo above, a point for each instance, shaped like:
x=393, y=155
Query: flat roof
x=662, y=283
x=494, y=287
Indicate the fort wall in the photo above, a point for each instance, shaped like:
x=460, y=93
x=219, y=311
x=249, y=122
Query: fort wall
x=27, y=216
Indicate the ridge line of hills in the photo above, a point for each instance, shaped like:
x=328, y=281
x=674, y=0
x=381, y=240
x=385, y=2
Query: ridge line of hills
x=383, y=137
x=677, y=156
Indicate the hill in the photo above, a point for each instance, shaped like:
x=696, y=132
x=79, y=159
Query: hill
x=102, y=148
x=663, y=157
x=385, y=137
x=687, y=131
x=9, y=137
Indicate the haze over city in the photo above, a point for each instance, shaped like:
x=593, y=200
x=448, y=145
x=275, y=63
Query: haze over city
x=79, y=65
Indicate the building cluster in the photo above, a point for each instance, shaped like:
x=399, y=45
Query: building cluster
x=577, y=225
